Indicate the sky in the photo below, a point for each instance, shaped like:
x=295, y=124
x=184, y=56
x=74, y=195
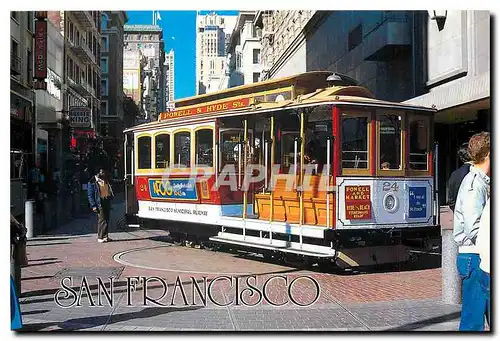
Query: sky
x=179, y=34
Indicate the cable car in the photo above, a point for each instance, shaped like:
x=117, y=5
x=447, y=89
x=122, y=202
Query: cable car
x=309, y=166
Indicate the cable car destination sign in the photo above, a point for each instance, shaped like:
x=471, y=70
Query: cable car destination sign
x=206, y=109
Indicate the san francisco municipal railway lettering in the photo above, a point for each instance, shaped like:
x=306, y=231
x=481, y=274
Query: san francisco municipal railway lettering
x=178, y=210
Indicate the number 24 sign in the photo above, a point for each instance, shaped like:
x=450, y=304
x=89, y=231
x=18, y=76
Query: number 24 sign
x=387, y=186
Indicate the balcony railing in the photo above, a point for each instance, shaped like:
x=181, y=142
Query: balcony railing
x=81, y=87
x=85, y=19
x=15, y=64
x=81, y=49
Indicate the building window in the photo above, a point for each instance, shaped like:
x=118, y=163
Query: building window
x=104, y=64
x=182, y=149
x=14, y=48
x=204, y=147
x=162, y=150
x=256, y=56
x=71, y=32
x=104, y=22
x=30, y=21
x=104, y=44
x=256, y=77
x=104, y=87
x=14, y=15
x=144, y=152
x=355, y=37
x=29, y=67
x=104, y=108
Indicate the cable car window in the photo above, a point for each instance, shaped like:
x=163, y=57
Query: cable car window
x=390, y=142
x=419, y=143
x=182, y=149
x=355, y=142
x=280, y=96
x=204, y=147
x=288, y=149
x=230, y=146
x=162, y=150
x=144, y=151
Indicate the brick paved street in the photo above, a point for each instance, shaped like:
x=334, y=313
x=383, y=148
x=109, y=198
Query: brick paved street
x=405, y=300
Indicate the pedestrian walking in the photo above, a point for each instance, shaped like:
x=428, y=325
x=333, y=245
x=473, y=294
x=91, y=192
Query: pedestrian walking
x=472, y=197
x=483, y=245
x=100, y=194
x=458, y=175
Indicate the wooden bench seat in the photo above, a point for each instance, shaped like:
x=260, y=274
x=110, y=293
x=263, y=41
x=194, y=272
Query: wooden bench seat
x=287, y=203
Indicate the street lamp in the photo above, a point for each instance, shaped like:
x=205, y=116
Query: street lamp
x=439, y=16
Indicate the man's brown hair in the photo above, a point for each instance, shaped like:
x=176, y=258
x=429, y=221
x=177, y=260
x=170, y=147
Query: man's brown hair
x=479, y=147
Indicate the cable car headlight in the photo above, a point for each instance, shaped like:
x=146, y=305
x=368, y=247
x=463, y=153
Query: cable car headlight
x=391, y=203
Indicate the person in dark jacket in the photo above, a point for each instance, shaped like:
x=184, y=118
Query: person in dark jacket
x=100, y=195
x=458, y=175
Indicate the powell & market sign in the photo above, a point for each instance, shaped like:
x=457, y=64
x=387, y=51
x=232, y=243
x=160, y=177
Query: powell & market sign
x=206, y=109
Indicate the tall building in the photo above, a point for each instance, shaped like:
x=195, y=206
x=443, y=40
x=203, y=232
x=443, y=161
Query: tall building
x=133, y=62
x=169, y=79
x=22, y=101
x=430, y=58
x=81, y=76
x=148, y=40
x=22, y=95
x=244, y=51
x=213, y=33
x=112, y=101
x=112, y=73
x=283, y=41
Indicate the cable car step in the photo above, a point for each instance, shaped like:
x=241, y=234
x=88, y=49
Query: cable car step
x=275, y=244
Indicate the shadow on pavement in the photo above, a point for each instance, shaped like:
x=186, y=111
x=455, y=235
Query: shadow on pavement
x=43, y=259
x=35, y=278
x=103, y=320
x=34, y=312
x=46, y=244
x=428, y=322
x=39, y=264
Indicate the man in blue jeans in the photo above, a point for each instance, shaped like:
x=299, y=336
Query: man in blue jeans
x=472, y=197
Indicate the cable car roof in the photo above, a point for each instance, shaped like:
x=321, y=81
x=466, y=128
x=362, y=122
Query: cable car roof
x=340, y=95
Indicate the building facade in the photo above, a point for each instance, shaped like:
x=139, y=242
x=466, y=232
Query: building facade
x=148, y=40
x=81, y=31
x=22, y=95
x=244, y=51
x=456, y=80
x=169, y=79
x=22, y=108
x=212, y=38
x=112, y=73
x=420, y=57
x=282, y=41
x=133, y=62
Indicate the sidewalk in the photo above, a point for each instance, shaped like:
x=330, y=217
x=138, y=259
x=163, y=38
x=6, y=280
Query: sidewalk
x=368, y=302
